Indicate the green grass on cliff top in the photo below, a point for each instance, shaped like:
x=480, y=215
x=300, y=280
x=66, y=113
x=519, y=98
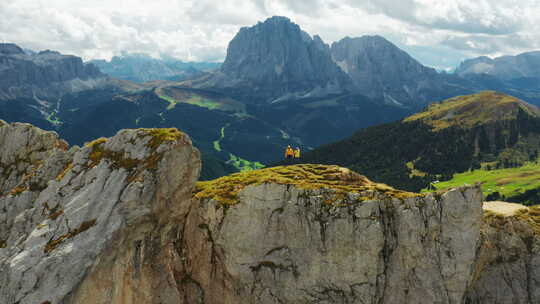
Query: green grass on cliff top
x=470, y=110
x=508, y=182
x=303, y=176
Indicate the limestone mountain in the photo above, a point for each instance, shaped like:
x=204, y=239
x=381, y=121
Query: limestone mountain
x=121, y=220
x=452, y=136
x=382, y=71
x=142, y=68
x=275, y=60
x=43, y=75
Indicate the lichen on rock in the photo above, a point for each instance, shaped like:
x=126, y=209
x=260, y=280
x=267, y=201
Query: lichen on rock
x=304, y=176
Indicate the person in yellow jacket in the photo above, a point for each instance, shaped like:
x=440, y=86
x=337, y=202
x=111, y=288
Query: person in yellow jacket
x=297, y=152
x=289, y=152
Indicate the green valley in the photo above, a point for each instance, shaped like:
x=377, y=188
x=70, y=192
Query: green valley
x=174, y=95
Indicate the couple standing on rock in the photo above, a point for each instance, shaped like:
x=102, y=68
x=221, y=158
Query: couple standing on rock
x=292, y=153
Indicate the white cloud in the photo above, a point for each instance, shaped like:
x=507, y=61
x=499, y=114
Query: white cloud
x=201, y=29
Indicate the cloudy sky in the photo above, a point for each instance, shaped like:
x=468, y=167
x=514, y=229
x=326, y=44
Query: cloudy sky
x=439, y=33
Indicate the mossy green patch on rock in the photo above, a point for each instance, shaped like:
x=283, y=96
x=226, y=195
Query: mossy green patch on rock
x=66, y=169
x=95, y=142
x=160, y=136
x=303, y=176
x=118, y=159
x=530, y=216
x=54, y=243
x=18, y=190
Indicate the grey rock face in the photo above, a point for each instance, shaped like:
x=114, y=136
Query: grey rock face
x=381, y=70
x=505, y=67
x=285, y=245
x=52, y=236
x=276, y=60
x=45, y=74
x=507, y=263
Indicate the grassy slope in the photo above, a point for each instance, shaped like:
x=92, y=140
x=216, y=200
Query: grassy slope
x=304, y=176
x=175, y=95
x=508, y=183
x=471, y=110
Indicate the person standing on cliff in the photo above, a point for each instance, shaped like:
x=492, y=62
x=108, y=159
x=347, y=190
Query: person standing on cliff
x=289, y=152
x=297, y=152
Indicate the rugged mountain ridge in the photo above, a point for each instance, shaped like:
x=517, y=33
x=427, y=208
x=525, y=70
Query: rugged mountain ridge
x=275, y=60
x=525, y=65
x=43, y=75
x=116, y=222
x=382, y=71
x=142, y=68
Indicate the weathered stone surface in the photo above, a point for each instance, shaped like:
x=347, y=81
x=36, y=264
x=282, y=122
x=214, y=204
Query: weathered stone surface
x=116, y=222
x=112, y=191
x=285, y=245
x=507, y=264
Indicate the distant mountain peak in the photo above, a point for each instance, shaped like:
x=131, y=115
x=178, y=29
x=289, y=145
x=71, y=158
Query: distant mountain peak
x=276, y=60
x=382, y=71
x=10, y=49
x=525, y=65
x=49, y=52
x=278, y=19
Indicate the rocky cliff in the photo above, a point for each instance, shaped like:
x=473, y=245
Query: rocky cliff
x=44, y=74
x=121, y=220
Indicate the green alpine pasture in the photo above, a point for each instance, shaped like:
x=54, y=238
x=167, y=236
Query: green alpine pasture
x=243, y=164
x=510, y=182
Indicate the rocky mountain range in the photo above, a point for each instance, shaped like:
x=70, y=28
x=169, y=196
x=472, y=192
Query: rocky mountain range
x=275, y=60
x=143, y=68
x=525, y=65
x=121, y=220
x=43, y=75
